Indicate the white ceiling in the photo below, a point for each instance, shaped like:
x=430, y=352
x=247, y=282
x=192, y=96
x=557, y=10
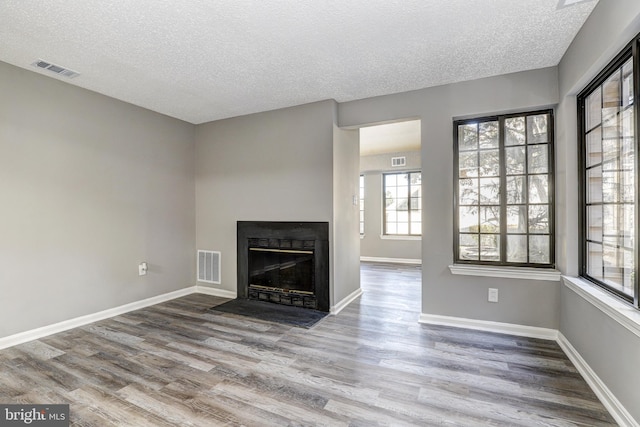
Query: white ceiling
x=390, y=138
x=201, y=60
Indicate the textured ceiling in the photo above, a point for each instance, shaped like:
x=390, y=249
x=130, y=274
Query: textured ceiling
x=201, y=60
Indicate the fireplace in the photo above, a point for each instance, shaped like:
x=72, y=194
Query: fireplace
x=284, y=263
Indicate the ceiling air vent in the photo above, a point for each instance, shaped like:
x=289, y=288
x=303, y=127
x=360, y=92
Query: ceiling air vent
x=55, y=69
x=398, y=161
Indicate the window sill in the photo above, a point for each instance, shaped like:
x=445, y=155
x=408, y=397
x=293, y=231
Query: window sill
x=622, y=313
x=505, y=272
x=392, y=237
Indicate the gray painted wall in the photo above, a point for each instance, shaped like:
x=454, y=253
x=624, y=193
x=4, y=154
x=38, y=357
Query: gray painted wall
x=372, y=244
x=271, y=166
x=382, y=162
x=346, y=230
x=604, y=344
x=525, y=302
x=90, y=187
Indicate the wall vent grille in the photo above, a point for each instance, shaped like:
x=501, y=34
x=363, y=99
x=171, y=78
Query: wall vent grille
x=209, y=267
x=398, y=162
x=57, y=69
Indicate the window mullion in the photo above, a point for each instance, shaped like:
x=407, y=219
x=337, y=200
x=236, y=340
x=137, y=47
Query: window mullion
x=503, y=190
x=526, y=189
x=409, y=228
x=456, y=193
x=635, y=49
x=552, y=185
x=384, y=205
x=582, y=187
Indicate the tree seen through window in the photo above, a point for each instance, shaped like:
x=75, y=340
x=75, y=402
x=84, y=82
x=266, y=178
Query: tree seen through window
x=503, y=203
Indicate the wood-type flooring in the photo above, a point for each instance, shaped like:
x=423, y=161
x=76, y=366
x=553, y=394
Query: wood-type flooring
x=180, y=364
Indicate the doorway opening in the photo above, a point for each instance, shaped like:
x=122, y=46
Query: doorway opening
x=391, y=201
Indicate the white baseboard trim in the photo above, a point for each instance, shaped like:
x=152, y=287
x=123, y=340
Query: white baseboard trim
x=337, y=308
x=489, y=326
x=613, y=405
x=208, y=290
x=391, y=260
x=34, y=334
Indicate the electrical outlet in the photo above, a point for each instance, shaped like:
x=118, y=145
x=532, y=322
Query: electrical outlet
x=493, y=295
x=142, y=269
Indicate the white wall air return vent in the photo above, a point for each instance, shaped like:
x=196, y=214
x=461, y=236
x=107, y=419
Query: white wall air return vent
x=61, y=71
x=398, y=161
x=209, y=267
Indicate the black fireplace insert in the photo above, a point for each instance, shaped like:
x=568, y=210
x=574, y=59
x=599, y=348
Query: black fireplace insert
x=284, y=263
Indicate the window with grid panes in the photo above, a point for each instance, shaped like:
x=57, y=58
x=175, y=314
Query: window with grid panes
x=504, y=190
x=361, y=197
x=608, y=164
x=402, y=203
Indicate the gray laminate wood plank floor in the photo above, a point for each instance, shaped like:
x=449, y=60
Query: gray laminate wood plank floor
x=179, y=364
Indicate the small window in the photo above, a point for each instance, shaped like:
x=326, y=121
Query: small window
x=503, y=168
x=361, y=204
x=402, y=203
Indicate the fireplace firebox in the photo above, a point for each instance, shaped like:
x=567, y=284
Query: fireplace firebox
x=284, y=263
